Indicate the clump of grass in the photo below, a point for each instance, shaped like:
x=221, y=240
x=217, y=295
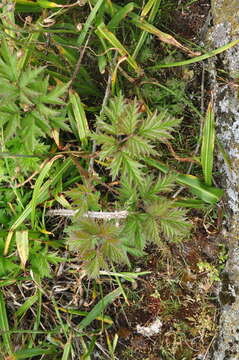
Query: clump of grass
x=83, y=129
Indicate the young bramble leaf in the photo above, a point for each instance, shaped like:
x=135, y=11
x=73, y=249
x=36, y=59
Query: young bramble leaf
x=96, y=243
x=126, y=135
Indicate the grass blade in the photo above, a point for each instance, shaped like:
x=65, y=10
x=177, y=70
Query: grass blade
x=99, y=308
x=32, y=353
x=79, y=117
x=42, y=196
x=38, y=187
x=4, y=326
x=26, y=306
x=103, y=32
x=209, y=194
x=208, y=142
x=151, y=18
x=196, y=59
x=88, y=22
x=148, y=6
x=162, y=36
x=67, y=350
x=120, y=15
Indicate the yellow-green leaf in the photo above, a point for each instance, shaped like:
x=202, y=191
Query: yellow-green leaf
x=22, y=243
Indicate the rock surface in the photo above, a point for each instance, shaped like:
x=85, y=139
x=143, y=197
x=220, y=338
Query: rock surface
x=225, y=28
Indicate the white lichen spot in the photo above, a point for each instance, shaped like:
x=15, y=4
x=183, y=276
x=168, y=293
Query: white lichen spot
x=153, y=329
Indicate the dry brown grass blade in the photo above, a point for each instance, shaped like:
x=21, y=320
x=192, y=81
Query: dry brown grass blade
x=164, y=37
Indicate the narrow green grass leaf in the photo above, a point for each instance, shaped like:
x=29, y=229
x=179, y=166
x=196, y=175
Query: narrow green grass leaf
x=47, y=4
x=162, y=36
x=190, y=203
x=99, y=308
x=4, y=326
x=144, y=34
x=106, y=319
x=22, y=246
x=80, y=117
x=196, y=59
x=26, y=306
x=89, y=21
x=103, y=31
x=147, y=8
x=120, y=15
x=42, y=196
x=38, y=188
x=209, y=194
x=67, y=350
x=32, y=353
x=37, y=319
x=208, y=142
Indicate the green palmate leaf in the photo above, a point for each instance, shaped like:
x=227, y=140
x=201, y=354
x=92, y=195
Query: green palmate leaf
x=13, y=124
x=53, y=96
x=129, y=167
x=29, y=76
x=126, y=134
x=139, y=146
x=84, y=199
x=208, y=141
x=10, y=60
x=40, y=265
x=170, y=221
x=97, y=244
x=159, y=126
x=25, y=100
x=150, y=189
x=135, y=234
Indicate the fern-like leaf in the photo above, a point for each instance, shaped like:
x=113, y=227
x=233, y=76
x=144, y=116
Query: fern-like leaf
x=159, y=126
x=171, y=221
x=97, y=244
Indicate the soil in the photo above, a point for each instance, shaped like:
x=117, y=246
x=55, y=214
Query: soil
x=190, y=19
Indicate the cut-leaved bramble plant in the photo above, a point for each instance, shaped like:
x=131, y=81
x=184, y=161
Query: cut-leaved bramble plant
x=124, y=137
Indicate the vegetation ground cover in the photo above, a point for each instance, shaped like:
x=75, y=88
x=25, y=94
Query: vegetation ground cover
x=98, y=122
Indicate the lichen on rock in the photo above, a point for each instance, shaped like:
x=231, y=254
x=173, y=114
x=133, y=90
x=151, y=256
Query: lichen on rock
x=225, y=17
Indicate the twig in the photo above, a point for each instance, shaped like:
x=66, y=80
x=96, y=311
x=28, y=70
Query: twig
x=78, y=65
x=91, y=214
x=184, y=159
x=33, y=175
